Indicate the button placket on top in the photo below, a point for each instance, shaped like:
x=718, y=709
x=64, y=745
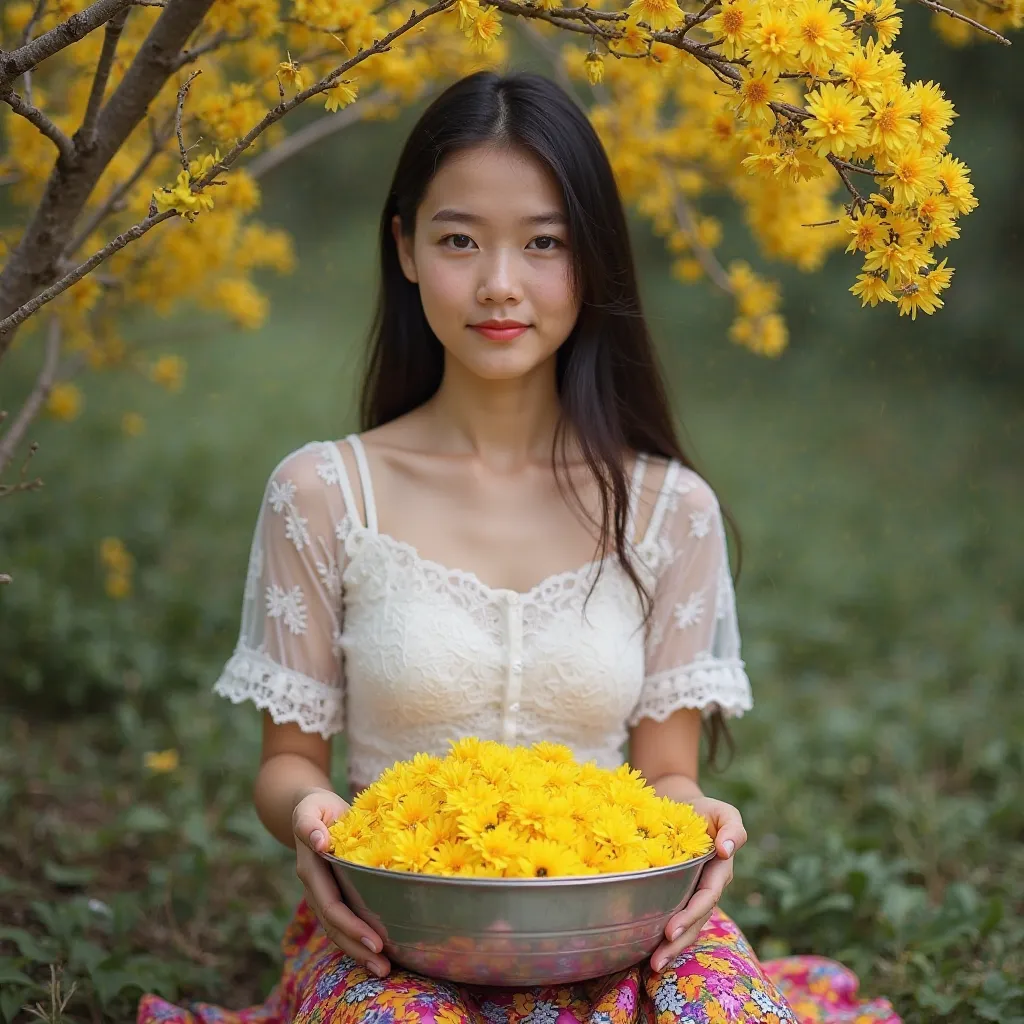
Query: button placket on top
x=513, y=689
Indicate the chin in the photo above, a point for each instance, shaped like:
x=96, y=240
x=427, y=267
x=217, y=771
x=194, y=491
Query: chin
x=502, y=363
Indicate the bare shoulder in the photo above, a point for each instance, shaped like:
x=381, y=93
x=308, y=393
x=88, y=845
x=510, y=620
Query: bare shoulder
x=692, y=493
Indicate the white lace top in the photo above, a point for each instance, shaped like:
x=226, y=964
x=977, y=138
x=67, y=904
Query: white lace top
x=347, y=628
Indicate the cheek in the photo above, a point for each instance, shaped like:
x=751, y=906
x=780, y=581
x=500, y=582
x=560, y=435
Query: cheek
x=443, y=288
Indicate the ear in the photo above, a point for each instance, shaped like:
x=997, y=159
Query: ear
x=404, y=246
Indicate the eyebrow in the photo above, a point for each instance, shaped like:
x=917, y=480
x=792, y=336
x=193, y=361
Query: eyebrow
x=552, y=217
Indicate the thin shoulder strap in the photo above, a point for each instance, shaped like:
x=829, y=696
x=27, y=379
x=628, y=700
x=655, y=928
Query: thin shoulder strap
x=364, y=478
x=661, y=504
x=639, y=467
x=343, y=481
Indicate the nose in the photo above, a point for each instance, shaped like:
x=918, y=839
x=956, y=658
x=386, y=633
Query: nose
x=499, y=281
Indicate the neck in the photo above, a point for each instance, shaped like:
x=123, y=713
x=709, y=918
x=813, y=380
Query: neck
x=504, y=423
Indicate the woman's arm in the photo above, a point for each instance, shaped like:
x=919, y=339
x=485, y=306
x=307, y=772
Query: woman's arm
x=668, y=753
x=293, y=764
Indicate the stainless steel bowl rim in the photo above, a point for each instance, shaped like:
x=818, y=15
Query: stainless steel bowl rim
x=469, y=881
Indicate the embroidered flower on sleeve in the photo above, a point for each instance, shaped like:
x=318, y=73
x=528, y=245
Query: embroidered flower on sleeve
x=690, y=612
x=327, y=471
x=281, y=495
x=288, y=605
x=295, y=529
x=700, y=523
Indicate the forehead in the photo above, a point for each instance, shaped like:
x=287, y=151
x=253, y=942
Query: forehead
x=494, y=184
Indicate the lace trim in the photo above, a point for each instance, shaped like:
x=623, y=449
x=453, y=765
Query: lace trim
x=707, y=684
x=288, y=695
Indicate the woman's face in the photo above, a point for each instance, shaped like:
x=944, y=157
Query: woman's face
x=492, y=242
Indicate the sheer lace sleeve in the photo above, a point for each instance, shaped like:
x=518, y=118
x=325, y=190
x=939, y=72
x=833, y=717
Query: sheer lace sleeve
x=288, y=657
x=693, y=642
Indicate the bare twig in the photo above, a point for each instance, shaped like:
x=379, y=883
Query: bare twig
x=14, y=434
x=114, y=202
x=314, y=132
x=327, y=82
x=178, y=110
x=932, y=5
x=25, y=37
x=858, y=199
x=707, y=259
x=215, y=42
x=20, y=315
x=26, y=57
x=111, y=36
x=64, y=145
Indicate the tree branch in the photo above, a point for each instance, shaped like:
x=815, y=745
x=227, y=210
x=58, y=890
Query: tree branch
x=313, y=133
x=20, y=315
x=25, y=37
x=87, y=132
x=276, y=113
x=932, y=5
x=707, y=259
x=40, y=392
x=64, y=145
x=26, y=57
x=113, y=202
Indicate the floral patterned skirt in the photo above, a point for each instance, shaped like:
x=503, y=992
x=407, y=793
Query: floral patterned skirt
x=717, y=980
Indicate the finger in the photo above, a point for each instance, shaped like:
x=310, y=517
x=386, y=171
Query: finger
x=700, y=903
x=669, y=951
x=326, y=898
x=356, y=949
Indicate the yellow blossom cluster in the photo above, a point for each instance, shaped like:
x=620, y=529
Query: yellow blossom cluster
x=493, y=811
x=119, y=564
x=799, y=111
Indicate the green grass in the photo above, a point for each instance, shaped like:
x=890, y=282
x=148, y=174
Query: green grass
x=880, y=601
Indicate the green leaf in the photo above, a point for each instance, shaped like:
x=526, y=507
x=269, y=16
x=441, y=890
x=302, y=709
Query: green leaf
x=10, y=975
x=41, y=951
x=12, y=999
x=67, y=875
x=145, y=818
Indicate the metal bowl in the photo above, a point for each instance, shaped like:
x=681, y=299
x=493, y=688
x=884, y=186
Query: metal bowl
x=518, y=931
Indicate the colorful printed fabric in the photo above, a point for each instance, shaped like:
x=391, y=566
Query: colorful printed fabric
x=718, y=980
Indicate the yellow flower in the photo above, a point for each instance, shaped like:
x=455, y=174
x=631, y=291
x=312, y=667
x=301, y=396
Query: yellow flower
x=484, y=30
x=734, y=24
x=912, y=178
x=837, y=121
x=488, y=810
x=542, y=858
x=341, y=94
x=160, y=762
x=892, y=125
x=118, y=586
x=755, y=94
x=819, y=31
x=65, y=402
x=468, y=11
x=593, y=64
x=169, y=372
x=880, y=15
x=132, y=424
x=773, y=48
x=952, y=175
x=291, y=73
x=868, y=230
x=934, y=114
x=659, y=14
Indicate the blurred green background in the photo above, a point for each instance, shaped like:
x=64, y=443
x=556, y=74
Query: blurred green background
x=875, y=471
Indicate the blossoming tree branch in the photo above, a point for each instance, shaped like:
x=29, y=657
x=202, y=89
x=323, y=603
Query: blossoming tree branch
x=136, y=133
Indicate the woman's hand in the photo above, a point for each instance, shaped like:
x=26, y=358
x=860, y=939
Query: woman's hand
x=725, y=826
x=317, y=809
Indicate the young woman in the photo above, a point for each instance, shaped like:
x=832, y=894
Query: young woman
x=516, y=548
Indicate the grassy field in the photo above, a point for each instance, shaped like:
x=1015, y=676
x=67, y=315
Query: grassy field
x=880, y=603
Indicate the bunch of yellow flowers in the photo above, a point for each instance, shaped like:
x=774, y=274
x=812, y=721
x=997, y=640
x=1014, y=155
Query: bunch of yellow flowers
x=493, y=811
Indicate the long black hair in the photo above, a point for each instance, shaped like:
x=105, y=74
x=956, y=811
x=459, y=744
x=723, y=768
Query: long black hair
x=611, y=389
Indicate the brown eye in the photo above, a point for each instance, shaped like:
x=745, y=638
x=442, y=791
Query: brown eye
x=461, y=237
x=548, y=238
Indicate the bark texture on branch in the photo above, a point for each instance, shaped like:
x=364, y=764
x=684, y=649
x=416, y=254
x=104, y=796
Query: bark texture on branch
x=34, y=263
